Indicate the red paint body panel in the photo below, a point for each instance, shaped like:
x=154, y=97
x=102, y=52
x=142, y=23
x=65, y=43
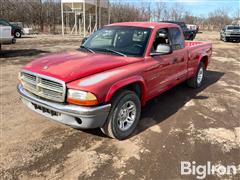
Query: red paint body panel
x=103, y=74
x=72, y=65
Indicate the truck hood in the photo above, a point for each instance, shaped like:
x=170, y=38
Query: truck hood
x=72, y=65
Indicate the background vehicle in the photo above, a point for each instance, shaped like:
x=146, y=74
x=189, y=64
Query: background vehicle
x=28, y=31
x=5, y=35
x=188, y=33
x=115, y=72
x=230, y=33
x=25, y=29
x=17, y=31
x=193, y=27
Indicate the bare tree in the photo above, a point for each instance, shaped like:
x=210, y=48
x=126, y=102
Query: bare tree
x=126, y=12
x=159, y=11
x=45, y=15
x=218, y=18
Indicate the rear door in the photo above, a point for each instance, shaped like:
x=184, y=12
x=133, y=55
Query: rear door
x=179, y=55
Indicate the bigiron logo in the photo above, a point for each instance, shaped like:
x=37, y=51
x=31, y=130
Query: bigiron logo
x=202, y=171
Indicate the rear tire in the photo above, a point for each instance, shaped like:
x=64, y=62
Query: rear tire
x=197, y=80
x=17, y=34
x=124, y=115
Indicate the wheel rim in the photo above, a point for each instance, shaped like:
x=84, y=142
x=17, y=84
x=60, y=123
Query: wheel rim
x=200, y=75
x=126, y=115
x=17, y=34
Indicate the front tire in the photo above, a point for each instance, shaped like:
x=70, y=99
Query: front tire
x=221, y=38
x=225, y=39
x=197, y=80
x=124, y=115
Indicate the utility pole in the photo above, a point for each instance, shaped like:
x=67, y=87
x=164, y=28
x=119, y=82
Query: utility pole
x=62, y=19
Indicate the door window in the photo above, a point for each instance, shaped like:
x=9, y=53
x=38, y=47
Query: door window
x=160, y=38
x=177, y=39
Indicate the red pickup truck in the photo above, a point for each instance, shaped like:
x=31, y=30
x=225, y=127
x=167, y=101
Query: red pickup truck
x=105, y=82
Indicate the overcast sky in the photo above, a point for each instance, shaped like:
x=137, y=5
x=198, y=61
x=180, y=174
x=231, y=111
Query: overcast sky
x=197, y=7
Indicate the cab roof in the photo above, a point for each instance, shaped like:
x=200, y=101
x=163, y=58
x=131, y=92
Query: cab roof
x=145, y=24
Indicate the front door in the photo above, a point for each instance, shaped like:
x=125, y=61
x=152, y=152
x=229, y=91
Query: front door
x=160, y=74
x=169, y=69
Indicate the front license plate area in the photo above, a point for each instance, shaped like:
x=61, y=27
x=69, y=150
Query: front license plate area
x=46, y=110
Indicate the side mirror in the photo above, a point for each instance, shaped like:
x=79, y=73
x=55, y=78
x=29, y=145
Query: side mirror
x=162, y=49
x=83, y=40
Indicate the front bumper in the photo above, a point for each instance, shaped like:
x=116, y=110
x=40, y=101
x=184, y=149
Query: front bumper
x=72, y=115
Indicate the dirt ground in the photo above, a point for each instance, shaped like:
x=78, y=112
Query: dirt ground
x=180, y=125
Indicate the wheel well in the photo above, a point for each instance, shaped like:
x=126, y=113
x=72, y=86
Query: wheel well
x=205, y=61
x=135, y=87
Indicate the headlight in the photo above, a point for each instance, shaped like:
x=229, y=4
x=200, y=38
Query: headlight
x=81, y=98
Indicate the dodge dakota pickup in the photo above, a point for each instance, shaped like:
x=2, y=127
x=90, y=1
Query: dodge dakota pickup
x=105, y=82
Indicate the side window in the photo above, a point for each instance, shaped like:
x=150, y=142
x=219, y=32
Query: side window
x=177, y=39
x=160, y=38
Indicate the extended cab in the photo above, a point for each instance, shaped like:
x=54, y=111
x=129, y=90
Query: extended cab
x=115, y=72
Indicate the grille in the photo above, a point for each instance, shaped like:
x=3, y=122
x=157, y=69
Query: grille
x=43, y=86
x=235, y=33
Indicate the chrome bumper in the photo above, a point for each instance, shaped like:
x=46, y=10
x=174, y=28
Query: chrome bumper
x=72, y=115
x=233, y=35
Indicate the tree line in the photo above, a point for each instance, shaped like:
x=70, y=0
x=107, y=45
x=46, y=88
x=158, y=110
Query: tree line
x=45, y=15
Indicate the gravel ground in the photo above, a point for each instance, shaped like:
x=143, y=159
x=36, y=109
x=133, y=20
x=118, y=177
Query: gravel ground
x=180, y=125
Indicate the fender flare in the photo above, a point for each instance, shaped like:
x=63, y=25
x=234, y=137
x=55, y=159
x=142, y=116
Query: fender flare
x=127, y=81
x=202, y=57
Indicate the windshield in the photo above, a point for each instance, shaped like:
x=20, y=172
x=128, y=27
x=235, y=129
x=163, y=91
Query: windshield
x=233, y=27
x=3, y=22
x=119, y=40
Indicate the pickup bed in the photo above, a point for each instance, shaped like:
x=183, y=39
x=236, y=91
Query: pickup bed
x=105, y=82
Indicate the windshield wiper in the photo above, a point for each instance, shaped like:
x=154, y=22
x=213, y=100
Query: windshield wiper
x=113, y=51
x=84, y=47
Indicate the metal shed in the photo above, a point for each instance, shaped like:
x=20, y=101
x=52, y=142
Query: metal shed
x=83, y=9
